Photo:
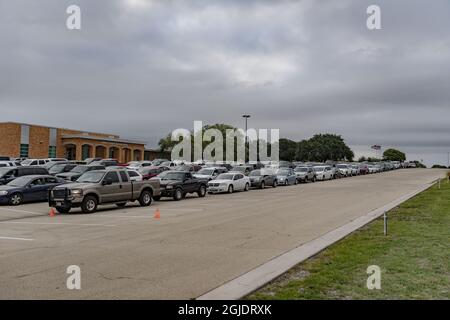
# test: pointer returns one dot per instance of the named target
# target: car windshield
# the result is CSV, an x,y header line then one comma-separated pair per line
x,y
282,172
165,164
225,176
79,169
57,168
19,182
173,176
206,172
91,177
303,169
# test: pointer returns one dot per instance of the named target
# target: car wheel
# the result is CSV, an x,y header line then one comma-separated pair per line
x,y
178,195
157,198
286,183
247,186
263,185
62,209
306,179
202,191
314,179
89,204
121,205
15,199
295,182
230,188
145,199
274,185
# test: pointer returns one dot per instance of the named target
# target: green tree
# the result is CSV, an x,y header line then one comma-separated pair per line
x,y
394,155
288,149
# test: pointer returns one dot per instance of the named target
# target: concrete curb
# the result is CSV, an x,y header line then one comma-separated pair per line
x,y
258,277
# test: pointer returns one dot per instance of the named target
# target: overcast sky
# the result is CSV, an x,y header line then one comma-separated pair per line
x,y
143,68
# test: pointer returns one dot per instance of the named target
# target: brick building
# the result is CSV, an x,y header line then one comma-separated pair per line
x,y
35,141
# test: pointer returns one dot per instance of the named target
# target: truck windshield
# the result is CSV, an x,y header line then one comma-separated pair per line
x,y
91,177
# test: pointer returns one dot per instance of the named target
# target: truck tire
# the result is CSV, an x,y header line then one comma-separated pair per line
x,y
89,204
202,191
178,194
62,209
145,199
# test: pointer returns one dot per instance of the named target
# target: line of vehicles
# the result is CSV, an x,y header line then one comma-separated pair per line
x,y
93,182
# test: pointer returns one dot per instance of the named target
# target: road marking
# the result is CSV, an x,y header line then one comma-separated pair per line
x,y
12,238
59,223
24,211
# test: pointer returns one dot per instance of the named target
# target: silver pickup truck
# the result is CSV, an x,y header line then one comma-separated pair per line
x,y
98,187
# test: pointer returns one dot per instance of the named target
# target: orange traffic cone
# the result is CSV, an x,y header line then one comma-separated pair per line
x,y
52,212
157,214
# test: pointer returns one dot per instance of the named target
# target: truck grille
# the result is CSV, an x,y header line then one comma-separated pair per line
x,y
60,193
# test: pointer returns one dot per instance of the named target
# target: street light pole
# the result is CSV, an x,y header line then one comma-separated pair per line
x,y
246,116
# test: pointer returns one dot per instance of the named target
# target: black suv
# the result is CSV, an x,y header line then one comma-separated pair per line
x,y
8,174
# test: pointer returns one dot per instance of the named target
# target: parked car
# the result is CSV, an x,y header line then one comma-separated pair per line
x,y
176,184
7,164
99,187
169,164
158,162
323,172
261,178
135,175
209,173
33,162
286,176
355,170
3,158
363,168
136,165
188,167
8,174
305,174
78,171
106,162
344,169
150,172
27,189
90,160
61,168
242,169
229,182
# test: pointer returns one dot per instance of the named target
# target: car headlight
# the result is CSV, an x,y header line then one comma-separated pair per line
x,y
169,187
77,192
3,193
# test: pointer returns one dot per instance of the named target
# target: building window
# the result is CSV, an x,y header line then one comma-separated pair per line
x,y
52,152
24,150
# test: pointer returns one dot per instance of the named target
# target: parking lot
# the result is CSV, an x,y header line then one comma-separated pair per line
x,y
196,245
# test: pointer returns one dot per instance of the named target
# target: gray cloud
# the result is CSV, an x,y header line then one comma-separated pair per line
x,y
142,68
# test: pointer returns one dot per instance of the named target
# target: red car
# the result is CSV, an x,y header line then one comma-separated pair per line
x,y
150,172
363,169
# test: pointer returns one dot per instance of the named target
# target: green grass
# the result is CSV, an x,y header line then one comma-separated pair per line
x,y
414,258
